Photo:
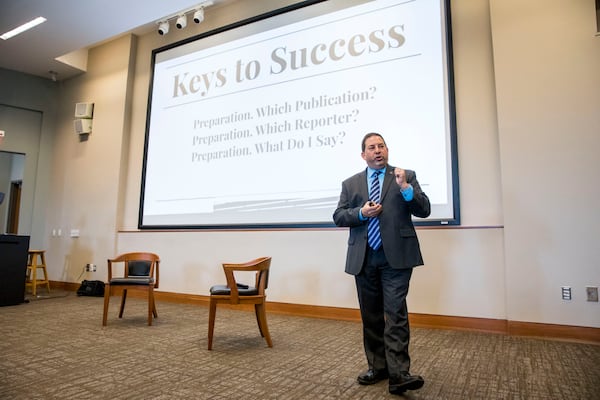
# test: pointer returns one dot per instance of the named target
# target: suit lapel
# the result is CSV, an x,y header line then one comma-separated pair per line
x,y
363,188
387,180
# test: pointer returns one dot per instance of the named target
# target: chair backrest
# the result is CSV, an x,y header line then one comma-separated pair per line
x,y
137,264
260,265
139,268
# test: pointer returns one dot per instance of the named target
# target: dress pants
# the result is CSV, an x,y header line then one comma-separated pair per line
x,y
382,294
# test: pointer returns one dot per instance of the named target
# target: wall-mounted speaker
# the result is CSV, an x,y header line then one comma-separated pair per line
x,y
83,126
84,110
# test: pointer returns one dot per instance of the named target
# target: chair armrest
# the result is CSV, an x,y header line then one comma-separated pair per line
x,y
157,274
231,283
109,270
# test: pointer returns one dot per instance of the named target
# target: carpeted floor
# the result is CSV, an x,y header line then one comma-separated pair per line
x,y
56,348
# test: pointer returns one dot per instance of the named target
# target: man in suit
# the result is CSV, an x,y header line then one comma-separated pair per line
x,y
377,205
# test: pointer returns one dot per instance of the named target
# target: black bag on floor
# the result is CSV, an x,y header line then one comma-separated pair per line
x,y
91,288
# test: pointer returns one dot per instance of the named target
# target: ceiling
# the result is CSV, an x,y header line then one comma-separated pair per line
x,y
75,25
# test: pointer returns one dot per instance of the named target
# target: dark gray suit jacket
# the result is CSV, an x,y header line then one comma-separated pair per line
x,y
398,234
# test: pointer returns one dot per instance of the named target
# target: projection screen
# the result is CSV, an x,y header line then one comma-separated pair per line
x,y
256,124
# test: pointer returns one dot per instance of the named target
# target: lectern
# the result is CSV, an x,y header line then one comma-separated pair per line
x,y
13,268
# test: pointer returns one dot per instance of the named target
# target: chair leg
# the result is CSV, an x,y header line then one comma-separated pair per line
x,y
256,312
45,270
154,307
34,279
261,315
47,280
123,298
211,322
151,308
106,301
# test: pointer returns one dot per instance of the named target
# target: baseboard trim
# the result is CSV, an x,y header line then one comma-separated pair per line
x,y
553,331
488,325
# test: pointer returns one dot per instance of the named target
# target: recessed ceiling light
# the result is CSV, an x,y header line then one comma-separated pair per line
x,y
23,28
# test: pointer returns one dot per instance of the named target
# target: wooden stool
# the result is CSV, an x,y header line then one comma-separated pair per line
x,y
34,257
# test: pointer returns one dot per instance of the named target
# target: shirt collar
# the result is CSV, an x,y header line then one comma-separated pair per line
x,y
371,170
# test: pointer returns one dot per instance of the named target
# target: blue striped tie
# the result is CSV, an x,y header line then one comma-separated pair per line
x,y
374,236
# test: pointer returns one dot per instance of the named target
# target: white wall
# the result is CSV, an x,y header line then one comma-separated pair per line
x,y
86,180
547,70
527,132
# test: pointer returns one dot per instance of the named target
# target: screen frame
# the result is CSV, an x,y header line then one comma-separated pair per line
x,y
453,161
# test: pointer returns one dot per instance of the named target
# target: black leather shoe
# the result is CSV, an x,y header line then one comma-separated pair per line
x,y
372,376
405,381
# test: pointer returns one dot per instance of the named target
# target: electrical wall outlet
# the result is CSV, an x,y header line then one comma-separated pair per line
x,y
566,293
90,267
592,293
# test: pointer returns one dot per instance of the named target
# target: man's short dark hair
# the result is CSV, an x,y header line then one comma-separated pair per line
x,y
368,135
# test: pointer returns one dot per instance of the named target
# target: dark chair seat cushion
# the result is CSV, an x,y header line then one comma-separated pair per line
x,y
243,290
138,280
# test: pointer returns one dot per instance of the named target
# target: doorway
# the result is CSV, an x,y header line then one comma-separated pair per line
x,y
14,205
12,168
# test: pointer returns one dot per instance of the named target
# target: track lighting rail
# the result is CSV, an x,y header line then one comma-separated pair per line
x,y
181,17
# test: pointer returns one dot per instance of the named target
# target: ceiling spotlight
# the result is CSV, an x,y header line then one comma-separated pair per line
x,y
199,15
163,28
181,21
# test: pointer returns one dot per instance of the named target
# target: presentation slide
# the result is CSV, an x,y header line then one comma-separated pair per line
x,y
259,124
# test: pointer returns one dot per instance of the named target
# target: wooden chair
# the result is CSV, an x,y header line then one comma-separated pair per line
x,y
140,273
236,293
